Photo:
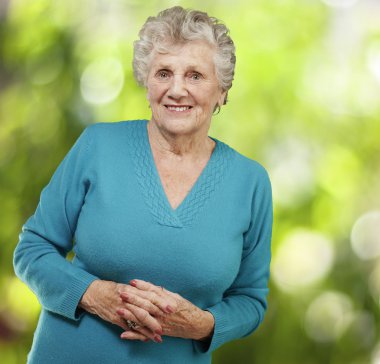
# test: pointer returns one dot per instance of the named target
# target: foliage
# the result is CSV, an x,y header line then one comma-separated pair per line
x,y
304,103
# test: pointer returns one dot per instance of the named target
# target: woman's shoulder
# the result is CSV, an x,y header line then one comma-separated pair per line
x,y
247,166
115,132
110,138
115,127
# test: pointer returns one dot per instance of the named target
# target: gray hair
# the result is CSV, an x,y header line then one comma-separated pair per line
x,y
177,25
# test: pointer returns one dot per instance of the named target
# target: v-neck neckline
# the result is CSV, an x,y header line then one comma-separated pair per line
x,y
152,188
194,187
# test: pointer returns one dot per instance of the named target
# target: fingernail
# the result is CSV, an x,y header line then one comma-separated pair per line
x,y
146,340
169,309
157,339
133,283
159,332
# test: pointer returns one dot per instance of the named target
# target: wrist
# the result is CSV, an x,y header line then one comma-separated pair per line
x,y
87,298
208,323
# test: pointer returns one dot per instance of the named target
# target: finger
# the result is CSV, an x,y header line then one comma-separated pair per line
x,y
122,323
125,315
146,286
144,318
154,334
148,334
165,303
134,335
154,309
160,292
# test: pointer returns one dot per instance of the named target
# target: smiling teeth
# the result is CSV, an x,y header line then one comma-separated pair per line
x,y
174,108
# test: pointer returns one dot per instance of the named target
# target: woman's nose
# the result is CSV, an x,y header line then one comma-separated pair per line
x,y
177,87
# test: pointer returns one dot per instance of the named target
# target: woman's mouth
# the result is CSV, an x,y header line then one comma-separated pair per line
x,y
177,108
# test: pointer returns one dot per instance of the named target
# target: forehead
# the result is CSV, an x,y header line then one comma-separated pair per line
x,y
193,54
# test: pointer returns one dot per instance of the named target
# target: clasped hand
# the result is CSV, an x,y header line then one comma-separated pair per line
x,y
156,311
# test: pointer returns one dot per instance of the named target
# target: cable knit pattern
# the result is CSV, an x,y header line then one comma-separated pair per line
x,y
150,182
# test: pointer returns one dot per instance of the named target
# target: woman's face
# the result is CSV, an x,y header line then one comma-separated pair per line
x,y
183,89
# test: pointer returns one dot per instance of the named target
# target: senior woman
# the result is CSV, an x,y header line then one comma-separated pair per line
x,y
171,228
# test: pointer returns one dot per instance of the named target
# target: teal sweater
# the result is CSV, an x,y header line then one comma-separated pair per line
x,y
106,201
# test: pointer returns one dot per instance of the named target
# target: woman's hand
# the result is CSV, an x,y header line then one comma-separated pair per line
x,y
102,298
186,320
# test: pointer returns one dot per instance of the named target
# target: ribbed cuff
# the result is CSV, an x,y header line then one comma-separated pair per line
x,y
219,336
71,297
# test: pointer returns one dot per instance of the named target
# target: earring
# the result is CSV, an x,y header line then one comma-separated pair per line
x,y
216,108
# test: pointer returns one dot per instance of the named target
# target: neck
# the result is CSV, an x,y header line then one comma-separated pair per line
x,y
180,147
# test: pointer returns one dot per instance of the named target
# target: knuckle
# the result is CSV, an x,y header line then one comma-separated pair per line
x,y
153,298
143,316
126,289
150,307
156,311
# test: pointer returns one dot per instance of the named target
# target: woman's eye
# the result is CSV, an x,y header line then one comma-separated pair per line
x,y
162,74
195,76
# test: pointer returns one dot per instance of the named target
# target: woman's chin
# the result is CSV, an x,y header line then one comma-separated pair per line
x,y
178,125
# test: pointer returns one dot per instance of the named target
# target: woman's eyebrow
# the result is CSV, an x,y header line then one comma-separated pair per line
x,y
187,68
160,68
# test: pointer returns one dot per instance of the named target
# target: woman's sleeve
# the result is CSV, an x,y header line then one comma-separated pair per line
x,y
244,304
47,236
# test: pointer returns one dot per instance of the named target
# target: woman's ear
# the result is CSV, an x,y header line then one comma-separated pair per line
x,y
223,98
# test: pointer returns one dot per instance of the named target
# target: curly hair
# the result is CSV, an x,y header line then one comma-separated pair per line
x,y
177,25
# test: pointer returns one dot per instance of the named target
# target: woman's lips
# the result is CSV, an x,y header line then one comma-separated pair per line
x,y
177,108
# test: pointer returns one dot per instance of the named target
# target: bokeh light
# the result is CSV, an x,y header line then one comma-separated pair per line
x,y
328,316
292,174
303,258
102,81
365,235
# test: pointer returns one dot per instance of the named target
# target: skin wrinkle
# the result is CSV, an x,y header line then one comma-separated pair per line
x,y
186,135
163,31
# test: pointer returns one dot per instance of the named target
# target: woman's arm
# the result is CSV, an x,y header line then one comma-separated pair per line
x,y
244,304
47,236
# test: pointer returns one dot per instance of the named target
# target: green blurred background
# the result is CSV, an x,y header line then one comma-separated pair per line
x,y
305,103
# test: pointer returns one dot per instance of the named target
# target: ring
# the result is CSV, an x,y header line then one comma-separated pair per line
x,y
131,324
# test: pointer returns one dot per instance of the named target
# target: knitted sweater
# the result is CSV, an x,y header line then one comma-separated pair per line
x,y
106,202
